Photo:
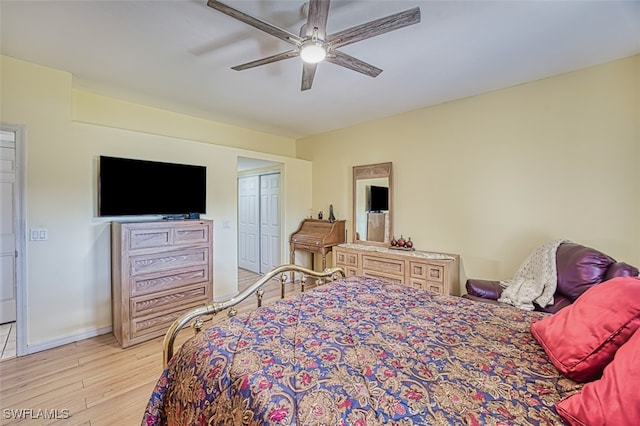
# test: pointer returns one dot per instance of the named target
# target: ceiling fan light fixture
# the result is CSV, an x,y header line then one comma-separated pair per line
x,y
312,51
313,45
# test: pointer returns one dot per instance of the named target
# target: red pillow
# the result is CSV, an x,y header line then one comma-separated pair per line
x,y
612,400
582,338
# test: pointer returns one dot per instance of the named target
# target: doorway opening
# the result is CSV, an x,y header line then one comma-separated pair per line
x,y
12,253
259,215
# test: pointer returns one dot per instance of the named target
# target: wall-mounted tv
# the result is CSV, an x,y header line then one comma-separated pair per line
x,y
138,187
378,198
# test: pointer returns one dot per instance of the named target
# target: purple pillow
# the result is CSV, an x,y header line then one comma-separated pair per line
x,y
580,268
621,269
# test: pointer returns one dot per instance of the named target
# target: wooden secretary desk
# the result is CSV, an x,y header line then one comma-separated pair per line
x,y
317,237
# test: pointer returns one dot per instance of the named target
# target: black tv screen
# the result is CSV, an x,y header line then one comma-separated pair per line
x,y
378,198
139,187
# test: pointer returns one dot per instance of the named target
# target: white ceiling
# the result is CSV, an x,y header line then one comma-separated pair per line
x,y
177,54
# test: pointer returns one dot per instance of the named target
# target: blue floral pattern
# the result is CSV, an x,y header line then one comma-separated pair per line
x,y
363,351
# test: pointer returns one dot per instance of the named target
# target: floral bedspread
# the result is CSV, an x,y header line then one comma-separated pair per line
x,y
363,351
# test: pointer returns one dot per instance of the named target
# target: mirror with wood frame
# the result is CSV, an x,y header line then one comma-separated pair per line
x,y
372,213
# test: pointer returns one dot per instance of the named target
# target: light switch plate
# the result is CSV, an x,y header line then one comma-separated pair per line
x,y
38,234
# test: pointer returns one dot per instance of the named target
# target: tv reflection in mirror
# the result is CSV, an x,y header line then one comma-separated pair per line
x,y
129,187
378,199
377,208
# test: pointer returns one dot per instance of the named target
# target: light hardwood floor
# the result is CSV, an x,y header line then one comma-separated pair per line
x,y
95,380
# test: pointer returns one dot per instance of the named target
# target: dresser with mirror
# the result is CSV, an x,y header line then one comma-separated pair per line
x,y
370,252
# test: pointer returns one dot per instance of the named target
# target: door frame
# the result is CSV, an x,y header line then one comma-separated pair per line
x,y
20,232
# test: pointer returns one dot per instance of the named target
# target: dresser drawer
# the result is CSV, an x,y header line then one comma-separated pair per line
x,y
309,240
157,325
426,271
164,261
399,279
160,281
434,287
140,238
168,300
348,259
350,272
193,234
159,236
417,283
426,285
435,273
308,247
418,270
380,264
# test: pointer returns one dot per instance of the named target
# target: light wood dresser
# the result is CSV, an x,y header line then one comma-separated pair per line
x,y
158,271
437,272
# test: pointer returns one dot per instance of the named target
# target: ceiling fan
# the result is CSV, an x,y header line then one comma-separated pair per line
x,y
313,45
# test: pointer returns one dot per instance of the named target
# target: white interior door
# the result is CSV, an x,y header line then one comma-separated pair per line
x,y
269,222
248,222
7,226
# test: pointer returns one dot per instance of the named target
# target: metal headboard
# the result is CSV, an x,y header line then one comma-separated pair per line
x,y
282,273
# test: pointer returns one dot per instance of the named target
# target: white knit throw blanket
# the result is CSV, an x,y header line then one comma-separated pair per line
x,y
536,279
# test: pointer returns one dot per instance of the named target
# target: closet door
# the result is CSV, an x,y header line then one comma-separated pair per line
x,y
269,222
248,222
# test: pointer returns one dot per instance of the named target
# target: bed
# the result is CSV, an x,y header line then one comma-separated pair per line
x,y
363,351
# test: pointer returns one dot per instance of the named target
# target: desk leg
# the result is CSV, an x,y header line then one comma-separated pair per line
x,y
324,266
292,260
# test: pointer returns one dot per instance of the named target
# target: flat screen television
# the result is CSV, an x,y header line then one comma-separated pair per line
x,y
378,198
139,187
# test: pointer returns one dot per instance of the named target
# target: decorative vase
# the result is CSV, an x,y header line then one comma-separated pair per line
x,y
320,215
409,243
393,241
401,241
332,218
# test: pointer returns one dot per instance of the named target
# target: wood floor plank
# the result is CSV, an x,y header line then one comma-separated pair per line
x,y
124,409
20,395
119,369
24,373
130,410
117,386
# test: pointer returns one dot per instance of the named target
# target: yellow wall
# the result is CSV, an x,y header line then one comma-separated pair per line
x,y
68,290
96,109
492,176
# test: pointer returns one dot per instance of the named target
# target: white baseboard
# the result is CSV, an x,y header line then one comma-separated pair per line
x,y
69,339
